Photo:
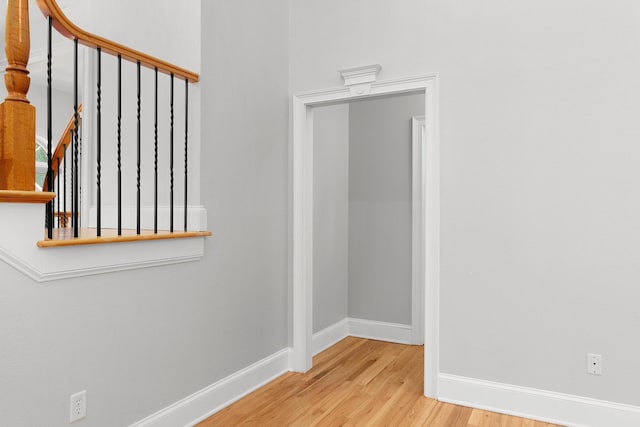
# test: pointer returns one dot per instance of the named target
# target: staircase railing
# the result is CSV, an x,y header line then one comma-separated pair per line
x,y
62,146
58,160
68,29
59,21
17,132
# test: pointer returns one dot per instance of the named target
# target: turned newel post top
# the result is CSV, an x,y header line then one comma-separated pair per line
x,y
17,45
17,116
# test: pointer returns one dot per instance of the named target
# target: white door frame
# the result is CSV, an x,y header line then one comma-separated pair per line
x,y
418,137
302,183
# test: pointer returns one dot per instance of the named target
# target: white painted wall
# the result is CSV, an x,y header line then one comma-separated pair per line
x,y
181,46
330,215
138,341
332,35
539,137
380,207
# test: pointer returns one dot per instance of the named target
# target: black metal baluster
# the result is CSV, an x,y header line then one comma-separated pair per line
x,y
119,145
76,191
79,172
64,207
155,143
72,176
58,192
186,139
138,159
171,162
99,149
49,208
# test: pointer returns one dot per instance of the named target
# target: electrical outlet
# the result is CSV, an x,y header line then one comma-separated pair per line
x,y
594,364
78,406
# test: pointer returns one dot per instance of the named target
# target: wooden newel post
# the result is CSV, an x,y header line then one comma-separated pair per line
x,y
17,115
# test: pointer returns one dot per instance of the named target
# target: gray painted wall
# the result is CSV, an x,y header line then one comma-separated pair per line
x,y
330,214
539,209
539,173
245,132
140,340
380,207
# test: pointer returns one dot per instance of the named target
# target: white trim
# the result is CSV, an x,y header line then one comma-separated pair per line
x,y
431,224
329,336
417,234
302,215
381,331
360,75
383,87
547,406
206,402
359,79
18,249
198,406
105,267
302,172
542,405
361,328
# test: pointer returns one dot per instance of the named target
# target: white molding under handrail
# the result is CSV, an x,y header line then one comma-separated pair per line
x,y
18,249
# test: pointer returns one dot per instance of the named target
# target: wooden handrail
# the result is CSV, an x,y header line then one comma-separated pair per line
x,y
16,196
63,143
68,29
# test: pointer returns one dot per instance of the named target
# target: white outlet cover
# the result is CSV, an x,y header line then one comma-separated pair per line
x,y
78,406
594,364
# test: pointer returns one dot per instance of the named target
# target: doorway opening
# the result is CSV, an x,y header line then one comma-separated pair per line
x,y
425,216
365,282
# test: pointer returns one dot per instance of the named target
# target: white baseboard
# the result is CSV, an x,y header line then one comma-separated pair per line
x,y
327,337
204,403
382,331
547,406
361,328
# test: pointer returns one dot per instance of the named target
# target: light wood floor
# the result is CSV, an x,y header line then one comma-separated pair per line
x,y
356,382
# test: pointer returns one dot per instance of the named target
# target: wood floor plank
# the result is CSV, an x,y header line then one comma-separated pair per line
x,y
477,415
459,416
356,382
440,415
418,414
